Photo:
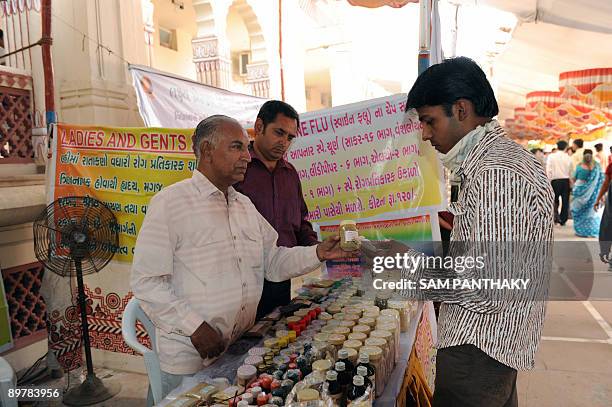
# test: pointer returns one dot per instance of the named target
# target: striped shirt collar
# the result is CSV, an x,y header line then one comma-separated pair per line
x,y
472,160
208,189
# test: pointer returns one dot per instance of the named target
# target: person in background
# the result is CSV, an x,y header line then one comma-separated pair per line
x,y
587,181
605,227
610,156
538,153
274,187
558,170
577,148
600,156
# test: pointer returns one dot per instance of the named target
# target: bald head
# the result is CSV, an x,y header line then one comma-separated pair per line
x,y
210,130
222,148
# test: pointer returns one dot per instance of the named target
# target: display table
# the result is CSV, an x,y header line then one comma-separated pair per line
x,y
227,365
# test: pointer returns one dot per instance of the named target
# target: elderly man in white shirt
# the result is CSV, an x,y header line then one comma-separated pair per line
x,y
559,170
202,254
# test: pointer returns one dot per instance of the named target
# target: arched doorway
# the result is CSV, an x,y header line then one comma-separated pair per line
x,y
230,50
247,50
210,50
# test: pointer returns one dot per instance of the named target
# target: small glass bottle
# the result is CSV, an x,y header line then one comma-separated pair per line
x,y
358,388
363,371
343,356
364,362
344,376
333,387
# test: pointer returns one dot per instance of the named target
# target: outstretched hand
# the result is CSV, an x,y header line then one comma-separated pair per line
x,y
329,249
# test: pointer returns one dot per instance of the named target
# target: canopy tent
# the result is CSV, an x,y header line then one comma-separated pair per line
x,y
552,36
583,103
538,53
588,15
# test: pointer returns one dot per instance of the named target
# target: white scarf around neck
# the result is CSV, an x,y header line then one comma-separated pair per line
x,y
454,158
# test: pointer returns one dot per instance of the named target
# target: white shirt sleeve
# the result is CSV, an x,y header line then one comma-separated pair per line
x,y
283,263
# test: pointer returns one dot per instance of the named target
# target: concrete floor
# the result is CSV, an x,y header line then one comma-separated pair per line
x,y
573,364
574,361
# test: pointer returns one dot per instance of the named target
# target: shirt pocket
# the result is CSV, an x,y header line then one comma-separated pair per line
x,y
252,243
204,251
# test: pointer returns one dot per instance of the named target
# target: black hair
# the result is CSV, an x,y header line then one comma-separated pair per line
x,y
587,151
270,109
579,142
561,144
445,83
598,147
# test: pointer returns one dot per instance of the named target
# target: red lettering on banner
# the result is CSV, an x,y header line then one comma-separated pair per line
x,y
163,142
82,138
121,140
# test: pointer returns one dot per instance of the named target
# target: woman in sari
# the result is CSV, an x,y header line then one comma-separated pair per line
x,y
588,179
605,228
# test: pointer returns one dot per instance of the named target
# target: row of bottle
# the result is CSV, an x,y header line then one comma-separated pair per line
x,y
348,383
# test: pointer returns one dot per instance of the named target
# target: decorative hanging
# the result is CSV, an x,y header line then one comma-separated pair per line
x,y
582,104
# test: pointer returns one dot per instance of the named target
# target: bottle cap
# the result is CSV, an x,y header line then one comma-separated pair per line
x,y
308,395
364,358
331,375
342,354
321,365
362,371
358,380
340,367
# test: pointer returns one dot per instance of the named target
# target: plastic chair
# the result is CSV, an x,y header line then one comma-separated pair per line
x,y
131,315
8,380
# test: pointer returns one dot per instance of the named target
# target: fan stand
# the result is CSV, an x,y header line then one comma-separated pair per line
x,y
93,390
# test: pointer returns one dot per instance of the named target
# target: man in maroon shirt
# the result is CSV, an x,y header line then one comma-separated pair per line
x,y
274,187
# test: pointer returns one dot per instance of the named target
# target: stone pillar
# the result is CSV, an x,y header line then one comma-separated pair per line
x,y
212,67
259,79
149,28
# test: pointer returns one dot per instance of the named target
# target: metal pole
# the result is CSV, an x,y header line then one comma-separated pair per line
x,y
280,48
424,34
47,60
84,326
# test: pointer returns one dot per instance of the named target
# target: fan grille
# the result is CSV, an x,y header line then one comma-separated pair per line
x,y
76,228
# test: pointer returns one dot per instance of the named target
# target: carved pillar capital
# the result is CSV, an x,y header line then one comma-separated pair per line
x,y
259,78
212,67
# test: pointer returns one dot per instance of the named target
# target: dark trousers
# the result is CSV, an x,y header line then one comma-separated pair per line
x,y
562,190
468,377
